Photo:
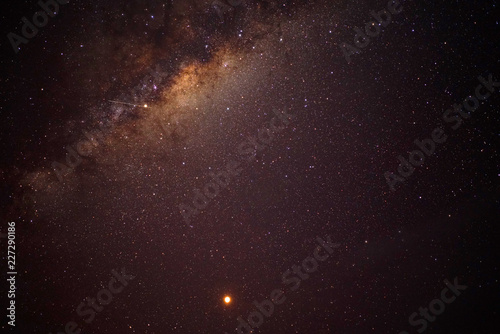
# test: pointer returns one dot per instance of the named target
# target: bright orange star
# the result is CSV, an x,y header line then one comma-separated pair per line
x,y
227,299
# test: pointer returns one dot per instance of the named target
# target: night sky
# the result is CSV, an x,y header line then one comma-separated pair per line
x,y
179,152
